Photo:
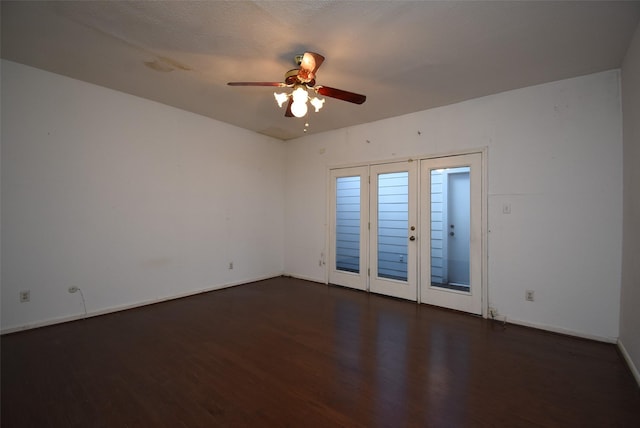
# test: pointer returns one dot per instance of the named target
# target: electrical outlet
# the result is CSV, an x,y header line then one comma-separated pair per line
x,y
25,296
529,296
230,265
73,289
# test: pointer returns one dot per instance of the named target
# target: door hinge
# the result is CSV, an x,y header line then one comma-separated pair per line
x,y
369,225
368,272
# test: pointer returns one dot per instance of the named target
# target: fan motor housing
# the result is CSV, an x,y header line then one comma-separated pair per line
x,y
291,78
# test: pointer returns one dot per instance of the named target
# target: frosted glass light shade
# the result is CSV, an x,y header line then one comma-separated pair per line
x,y
299,108
281,98
317,103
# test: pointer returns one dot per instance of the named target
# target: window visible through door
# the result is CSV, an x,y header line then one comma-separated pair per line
x,y
393,225
348,224
450,227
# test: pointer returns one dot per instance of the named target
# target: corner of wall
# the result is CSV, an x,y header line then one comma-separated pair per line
x,y
629,341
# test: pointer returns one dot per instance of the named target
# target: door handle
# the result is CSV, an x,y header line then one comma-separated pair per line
x,y
412,238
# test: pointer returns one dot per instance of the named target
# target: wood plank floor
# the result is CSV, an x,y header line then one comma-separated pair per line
x,y
289,353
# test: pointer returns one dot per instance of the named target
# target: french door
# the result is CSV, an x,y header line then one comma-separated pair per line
x,y
393,231
349,205
451,236
374,228
384,241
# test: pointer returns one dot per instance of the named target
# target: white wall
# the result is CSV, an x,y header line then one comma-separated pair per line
x,y
630,301
554,154
134,201
130,200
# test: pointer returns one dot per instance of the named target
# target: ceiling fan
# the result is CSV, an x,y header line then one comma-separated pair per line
x,y
301,79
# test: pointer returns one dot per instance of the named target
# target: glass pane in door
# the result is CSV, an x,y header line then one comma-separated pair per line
x,y
450,228
348,224
393,225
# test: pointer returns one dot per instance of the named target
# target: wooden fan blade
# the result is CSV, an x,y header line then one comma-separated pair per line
x,y
288,112
311,61
277,84
340,94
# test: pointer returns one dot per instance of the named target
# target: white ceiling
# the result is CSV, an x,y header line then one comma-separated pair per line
x,y
406,56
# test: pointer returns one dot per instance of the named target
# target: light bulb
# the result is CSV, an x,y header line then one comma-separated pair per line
x,y
299,108
300,94
281,98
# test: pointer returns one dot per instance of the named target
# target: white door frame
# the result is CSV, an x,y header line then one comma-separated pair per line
x,y
483,152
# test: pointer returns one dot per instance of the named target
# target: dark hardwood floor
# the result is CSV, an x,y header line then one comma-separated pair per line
x,y
289,353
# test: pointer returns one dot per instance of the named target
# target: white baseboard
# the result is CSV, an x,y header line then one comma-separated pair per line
x,y
567,332
627,358
306,278
104,311
612,340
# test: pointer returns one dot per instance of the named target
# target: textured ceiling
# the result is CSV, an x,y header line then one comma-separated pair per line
x,y
405,56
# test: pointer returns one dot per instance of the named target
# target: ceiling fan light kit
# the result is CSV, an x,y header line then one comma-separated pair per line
x,y
299,98
301,80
